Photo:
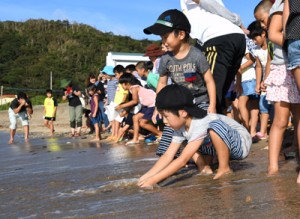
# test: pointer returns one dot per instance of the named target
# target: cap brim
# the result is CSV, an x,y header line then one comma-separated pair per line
x,y
196,112
157,29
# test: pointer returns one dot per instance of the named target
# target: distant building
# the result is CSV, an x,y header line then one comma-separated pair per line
x,y
122,58
7,98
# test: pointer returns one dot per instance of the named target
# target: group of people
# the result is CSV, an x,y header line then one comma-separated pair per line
x,y
204,101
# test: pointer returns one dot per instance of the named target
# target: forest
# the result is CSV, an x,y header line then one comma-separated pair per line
x,y
30,50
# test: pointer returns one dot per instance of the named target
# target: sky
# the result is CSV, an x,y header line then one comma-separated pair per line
x,y
122,17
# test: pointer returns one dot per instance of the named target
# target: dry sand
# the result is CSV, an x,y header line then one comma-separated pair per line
x,y
37,128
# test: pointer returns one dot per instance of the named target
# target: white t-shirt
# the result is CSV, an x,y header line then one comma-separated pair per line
x,y
249,73
205,25
262,55
198,131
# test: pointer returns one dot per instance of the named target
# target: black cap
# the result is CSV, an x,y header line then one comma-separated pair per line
x,y
176,97
168,21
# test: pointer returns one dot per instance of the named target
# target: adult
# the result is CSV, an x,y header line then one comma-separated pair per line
x,y
72,94
20,108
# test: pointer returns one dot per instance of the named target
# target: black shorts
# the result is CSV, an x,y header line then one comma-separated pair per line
x,y
224,54
50,118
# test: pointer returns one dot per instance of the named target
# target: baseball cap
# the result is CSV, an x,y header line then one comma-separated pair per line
x,y
168,21
176,97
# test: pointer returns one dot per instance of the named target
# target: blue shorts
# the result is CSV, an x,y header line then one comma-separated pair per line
x,y
148,112
293,54
264,106
249,89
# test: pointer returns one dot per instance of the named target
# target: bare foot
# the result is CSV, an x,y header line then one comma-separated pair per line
x,y
26,140
132,142
272,171
206,171
11,141
223,173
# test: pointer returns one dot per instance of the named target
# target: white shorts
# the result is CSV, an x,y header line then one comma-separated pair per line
x,y
22,116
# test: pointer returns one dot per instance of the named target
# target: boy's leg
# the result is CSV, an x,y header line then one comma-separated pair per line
x,y
26,133
254,111
201,164
78,118
12,126
223,154
227,143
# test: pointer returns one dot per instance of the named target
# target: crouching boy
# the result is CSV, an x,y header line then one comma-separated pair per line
x,y
230,140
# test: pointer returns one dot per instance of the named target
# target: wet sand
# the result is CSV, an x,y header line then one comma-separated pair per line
x,y
65,177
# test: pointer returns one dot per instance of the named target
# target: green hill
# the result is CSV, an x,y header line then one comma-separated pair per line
x,y
30,50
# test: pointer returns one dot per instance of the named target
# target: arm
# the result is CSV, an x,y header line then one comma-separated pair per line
x,y
258,70
96,105
285,15
275,29
267,72
173,166
162,82
133,102
77,93
211,89
162,162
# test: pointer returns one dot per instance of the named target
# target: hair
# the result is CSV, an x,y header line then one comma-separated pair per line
x,y
49,91
148,66
255,29
91,87
21,95
187,35
119,69
130,68
129,78
173,111
265,5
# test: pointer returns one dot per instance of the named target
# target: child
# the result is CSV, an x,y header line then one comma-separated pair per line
x,y
144,69
291,18
50,107
230,139
184,64
19,108
126,124
95,115
146,98
259,35
281,88
120,97
248,99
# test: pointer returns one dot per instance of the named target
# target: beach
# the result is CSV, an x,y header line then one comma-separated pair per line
x,y
64,177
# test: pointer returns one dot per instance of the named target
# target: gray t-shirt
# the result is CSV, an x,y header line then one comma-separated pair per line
x,y
280,56
198,131
187,72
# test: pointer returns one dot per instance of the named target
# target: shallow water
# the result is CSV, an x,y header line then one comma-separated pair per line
x,y
72,178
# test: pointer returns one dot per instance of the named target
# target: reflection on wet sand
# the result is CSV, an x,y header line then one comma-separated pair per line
x,y
65,177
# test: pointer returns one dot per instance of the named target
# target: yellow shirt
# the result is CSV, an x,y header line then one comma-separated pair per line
x,y
119,96
50,104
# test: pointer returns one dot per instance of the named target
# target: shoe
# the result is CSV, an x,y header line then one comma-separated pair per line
x,y
261,136
150,139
